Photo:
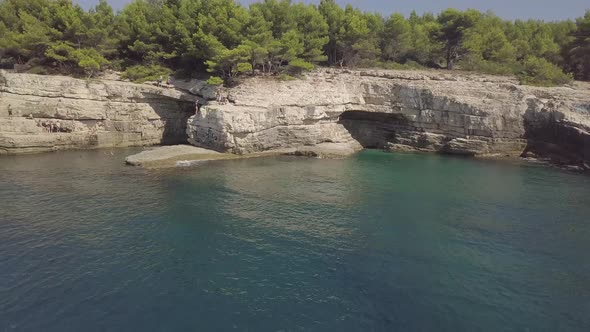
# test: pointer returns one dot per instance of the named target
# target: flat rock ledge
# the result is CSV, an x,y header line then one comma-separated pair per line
x,y
188,155
439,112
168,156
326,150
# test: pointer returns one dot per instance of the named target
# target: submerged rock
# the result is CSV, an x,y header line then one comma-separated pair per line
x,y
166,156
573,168
187,155
326,150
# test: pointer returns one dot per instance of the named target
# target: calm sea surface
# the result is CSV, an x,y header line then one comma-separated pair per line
x,y
377,242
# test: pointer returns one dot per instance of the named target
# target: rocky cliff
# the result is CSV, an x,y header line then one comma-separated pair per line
x,y
428,111
327,112
47,113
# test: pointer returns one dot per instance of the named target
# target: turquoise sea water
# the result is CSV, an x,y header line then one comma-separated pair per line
x,y
377,242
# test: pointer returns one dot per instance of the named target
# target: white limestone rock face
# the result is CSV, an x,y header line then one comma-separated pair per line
x,y
87,114
248,129
441,112
328,110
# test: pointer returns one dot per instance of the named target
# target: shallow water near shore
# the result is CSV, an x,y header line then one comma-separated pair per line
x,y
375,242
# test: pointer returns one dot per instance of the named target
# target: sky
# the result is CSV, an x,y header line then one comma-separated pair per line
x,y
509,9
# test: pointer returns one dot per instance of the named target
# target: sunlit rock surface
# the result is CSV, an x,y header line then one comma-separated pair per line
x,y
473,115
47,113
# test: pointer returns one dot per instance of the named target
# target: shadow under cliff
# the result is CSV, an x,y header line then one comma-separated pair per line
x,y
173,116
549,136
375,130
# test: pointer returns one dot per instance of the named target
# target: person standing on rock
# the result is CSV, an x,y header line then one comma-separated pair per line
x,y
221,96
198,106
218,95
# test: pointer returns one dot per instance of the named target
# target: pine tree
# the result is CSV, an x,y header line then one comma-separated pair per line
x,y
578,52
396,39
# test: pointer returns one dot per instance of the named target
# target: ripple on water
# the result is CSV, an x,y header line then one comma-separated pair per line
x,y
376,242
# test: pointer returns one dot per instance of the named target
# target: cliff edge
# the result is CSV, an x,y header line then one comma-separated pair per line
x,y
327,112
463,114
48,113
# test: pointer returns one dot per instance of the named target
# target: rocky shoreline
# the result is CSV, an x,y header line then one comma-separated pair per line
x,y
472,115
49,113
188,155
327,113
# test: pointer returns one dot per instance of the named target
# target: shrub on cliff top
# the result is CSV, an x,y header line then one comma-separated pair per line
x,y
286,77
409,65
70,59
215,80
540,72
490,67
142,74
38,70
297,66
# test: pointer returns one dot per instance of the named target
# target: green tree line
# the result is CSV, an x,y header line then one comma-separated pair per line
x,y
148,38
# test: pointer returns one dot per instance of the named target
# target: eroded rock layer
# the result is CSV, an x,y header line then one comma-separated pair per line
x,y
459,114
47,113
329,110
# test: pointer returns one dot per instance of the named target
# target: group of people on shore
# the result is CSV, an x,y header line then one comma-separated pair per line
x,y
221,96
49,126
160,81
52,127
